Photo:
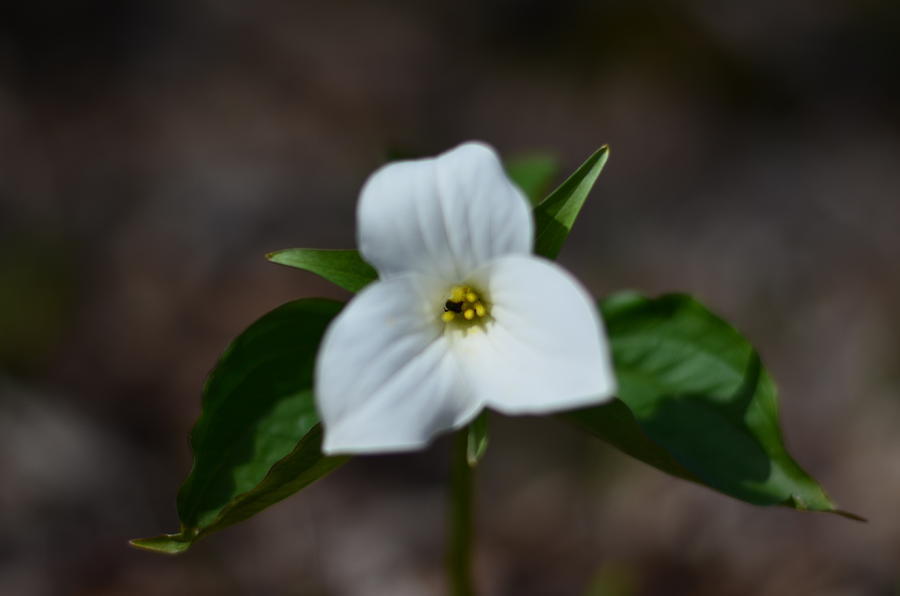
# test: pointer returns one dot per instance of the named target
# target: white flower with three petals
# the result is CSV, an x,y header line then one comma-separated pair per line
x,y
462,317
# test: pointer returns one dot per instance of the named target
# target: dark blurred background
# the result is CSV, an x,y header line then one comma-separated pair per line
x,y
152,151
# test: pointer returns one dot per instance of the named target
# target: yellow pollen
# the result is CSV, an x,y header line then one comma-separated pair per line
x,y
463,307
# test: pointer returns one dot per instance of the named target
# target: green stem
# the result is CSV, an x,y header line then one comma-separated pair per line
x,y
459,545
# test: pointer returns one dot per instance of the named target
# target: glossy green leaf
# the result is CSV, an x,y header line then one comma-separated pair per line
x,y
533,174
614,423
555,215
345,268
699,403
302,466
477,439
258,437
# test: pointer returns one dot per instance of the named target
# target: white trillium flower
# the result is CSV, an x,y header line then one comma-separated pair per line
x,y
463,315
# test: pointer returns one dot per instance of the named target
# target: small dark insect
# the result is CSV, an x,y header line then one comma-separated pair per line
x,y
453,306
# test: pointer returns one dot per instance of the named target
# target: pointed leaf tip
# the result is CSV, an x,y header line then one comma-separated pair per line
x,y
555,215
258,439
850,516
345,268
167,544
700,404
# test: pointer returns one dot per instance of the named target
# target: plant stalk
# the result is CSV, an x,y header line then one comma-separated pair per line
x,y
459,533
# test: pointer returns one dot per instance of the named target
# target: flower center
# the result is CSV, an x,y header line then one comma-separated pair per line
x,y
465,307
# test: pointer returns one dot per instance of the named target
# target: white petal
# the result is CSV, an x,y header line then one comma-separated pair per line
x,y
386,379
545,349
444,216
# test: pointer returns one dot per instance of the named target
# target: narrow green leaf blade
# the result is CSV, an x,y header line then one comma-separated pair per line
x,y
258,437
555,215
533,174
345,268
703,407
167,544
477,439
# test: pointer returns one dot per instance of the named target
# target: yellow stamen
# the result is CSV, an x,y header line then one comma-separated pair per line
x,y
463,306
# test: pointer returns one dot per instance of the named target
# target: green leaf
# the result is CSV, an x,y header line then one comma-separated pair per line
x,y
533,174
699,403
477,439
167,544
342,267
614,423
258,437
301,467
555,215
